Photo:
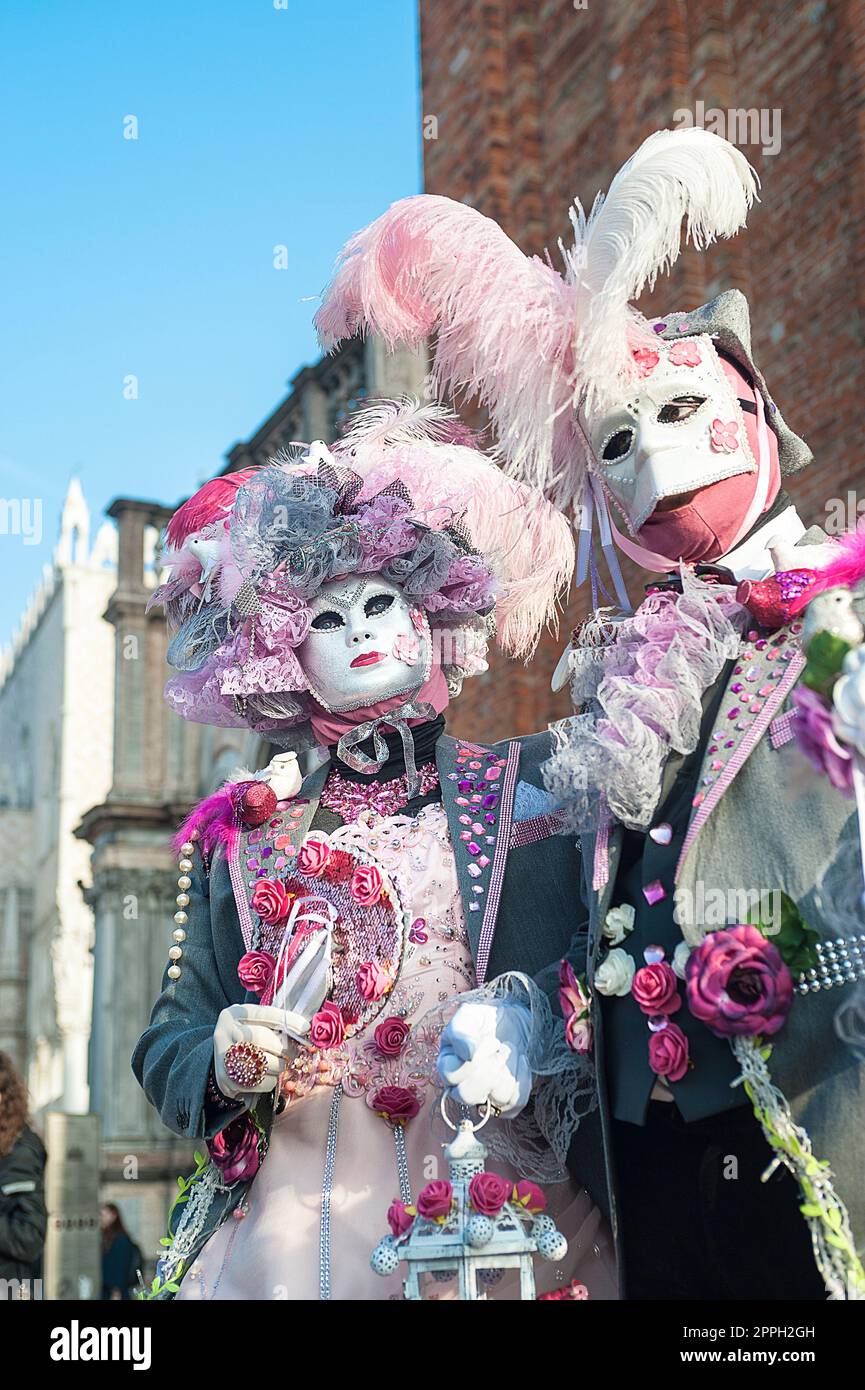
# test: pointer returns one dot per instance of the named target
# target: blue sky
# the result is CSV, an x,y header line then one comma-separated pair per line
x,y
257,126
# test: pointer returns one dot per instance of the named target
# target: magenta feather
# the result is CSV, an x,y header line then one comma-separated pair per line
x,y
212,822
206,505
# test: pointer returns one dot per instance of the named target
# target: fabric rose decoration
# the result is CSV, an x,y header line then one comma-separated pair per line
x,y
396,1104
270,901
737,983
400,1218
488,1193
234,1150
575,1006
372,981
816,737
255,970
680,959
618,922
685,355
390,1036
724,436
327,1027
366,885
314,856
615,974
436,1200
669,1053
647,360
527,1194
655,989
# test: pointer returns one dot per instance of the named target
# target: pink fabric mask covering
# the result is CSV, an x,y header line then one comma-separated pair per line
x,y
716,518
329,727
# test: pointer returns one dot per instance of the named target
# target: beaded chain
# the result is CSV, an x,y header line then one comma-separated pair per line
x,y
349,799
178,936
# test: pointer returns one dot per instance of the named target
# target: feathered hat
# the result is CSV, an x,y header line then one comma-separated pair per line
x,y
405,494
539,348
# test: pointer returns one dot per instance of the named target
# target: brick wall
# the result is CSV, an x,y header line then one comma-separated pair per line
x,y
538,100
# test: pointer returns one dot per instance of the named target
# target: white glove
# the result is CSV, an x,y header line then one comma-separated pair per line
x,y
263,1027
483,1056
848,697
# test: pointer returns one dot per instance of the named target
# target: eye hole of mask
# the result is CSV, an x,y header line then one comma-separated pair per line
x,y
618,445
682,408
328,621
378,604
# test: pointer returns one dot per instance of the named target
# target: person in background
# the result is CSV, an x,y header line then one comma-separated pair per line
x,y
22,1200
121,1257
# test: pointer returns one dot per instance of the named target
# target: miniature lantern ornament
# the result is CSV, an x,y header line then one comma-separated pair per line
x,y
471,1227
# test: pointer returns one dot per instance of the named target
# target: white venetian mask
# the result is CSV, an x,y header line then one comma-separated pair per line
x,y
366,643
681,429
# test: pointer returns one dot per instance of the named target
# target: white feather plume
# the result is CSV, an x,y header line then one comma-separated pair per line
x,y
635,233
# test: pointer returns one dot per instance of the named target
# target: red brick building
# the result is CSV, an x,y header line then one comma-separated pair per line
x,y
536,101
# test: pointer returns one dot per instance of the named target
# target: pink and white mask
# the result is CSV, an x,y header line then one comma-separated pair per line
x,y
366,644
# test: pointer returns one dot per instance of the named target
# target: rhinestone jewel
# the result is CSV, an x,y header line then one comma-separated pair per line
x,y
661,834
653,955
654,892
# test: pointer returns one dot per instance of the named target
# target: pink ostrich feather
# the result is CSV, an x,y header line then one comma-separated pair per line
x,y
529,544
504,323
212,822
847,569
211,501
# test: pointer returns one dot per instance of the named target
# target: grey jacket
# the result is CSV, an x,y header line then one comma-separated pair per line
x,y
761,823
526,920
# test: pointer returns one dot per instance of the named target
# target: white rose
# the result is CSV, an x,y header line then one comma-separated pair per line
x,y
848,698
680,958
618,922
615,974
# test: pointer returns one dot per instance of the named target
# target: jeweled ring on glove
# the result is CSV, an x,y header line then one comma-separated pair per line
x,y
246,1064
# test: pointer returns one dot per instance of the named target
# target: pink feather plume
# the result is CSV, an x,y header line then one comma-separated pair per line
x,y
212,822
205,506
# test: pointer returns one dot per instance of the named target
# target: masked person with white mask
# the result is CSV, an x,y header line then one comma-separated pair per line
x,y
722,949
359,923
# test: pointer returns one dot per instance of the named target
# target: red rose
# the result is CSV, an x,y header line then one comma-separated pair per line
x,y
366,885
436,1199
396,1103
327,1027
234,1150
488,1193
668,1053
313,857
655,989
399,1218
390,1035
527,1194
255,970
372,980
270,900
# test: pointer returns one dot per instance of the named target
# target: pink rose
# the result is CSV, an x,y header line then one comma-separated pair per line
x,y
527,1194
366,885
655,989
738,983
390,1035
234,1150
327,1027
255,970
488,1193
372,980
395,1103
436,1200
399,1218
270,900
313,858
669,1053
576,1008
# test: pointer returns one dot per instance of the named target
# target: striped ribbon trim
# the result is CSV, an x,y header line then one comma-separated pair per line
x,y
500,858
536,828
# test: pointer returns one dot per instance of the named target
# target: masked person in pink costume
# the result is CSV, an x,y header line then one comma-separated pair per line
x,y
713,865
374,889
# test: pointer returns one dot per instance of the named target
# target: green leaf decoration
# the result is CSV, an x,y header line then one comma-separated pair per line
x,y
794,939
165,1240
826,655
